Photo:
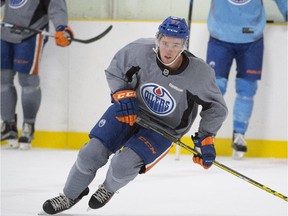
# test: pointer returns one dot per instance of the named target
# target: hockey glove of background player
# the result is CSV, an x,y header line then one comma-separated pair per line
x,y
205,146
63,36
126,106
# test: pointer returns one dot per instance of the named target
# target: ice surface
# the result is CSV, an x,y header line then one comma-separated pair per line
x,y
171,188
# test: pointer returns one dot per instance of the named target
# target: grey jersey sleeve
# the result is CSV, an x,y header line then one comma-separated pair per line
x,y
116,73
57,13
214,110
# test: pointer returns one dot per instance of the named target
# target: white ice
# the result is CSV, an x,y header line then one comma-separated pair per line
x,y
171,188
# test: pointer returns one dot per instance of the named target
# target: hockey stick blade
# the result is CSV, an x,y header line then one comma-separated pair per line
x,y
94,38
175,140
87,41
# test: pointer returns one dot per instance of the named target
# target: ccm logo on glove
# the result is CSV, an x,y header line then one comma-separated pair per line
x,y
124,94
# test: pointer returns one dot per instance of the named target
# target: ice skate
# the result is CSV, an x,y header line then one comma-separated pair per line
x,y
100,198
9,133
27,136
61,203
239,146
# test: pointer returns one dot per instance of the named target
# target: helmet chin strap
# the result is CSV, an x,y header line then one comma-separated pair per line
x,y
156,51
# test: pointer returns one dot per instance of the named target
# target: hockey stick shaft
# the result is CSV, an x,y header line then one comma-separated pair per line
x,y
87,41
190,18
175,140
190,13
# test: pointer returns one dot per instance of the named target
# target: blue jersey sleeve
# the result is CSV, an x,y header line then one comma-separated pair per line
x,y
283,8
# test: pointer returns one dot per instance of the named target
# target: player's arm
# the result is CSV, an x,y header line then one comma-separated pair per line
x,y
214,112
57,12
122,71
121,79
283,8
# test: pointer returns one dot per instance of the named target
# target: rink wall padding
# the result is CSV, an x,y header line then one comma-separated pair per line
x,y
75,140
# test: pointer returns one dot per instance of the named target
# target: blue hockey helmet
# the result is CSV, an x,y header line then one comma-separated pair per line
x,y
174,27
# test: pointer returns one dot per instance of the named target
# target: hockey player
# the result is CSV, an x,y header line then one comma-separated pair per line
x,y
236,32
20,54
163,85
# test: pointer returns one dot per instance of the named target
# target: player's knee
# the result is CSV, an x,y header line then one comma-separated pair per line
x,y
30,84
26,80
245,87
7,77
92,156
222,84
126,165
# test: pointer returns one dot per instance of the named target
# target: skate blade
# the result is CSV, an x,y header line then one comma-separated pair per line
x,y
25,146
177,152
12,143
237,155
42,213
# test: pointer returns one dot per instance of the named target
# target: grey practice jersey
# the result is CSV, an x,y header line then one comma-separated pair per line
x,y
170,98
34,14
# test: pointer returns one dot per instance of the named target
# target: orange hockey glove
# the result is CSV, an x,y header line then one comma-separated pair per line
x,y
126,106
63,36
205,146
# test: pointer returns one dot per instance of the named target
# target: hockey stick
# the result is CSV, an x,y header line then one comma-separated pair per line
x,y
21,28
178,148
189,18
175,140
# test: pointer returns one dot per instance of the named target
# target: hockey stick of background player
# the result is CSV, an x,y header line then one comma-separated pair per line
x,y
177,153
189,19
21,28
221,166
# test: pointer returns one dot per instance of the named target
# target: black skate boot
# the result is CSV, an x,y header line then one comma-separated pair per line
x,y
26,136
100,198
61,203
9,133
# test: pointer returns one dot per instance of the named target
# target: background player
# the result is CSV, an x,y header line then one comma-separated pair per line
x,y
21,53
236,32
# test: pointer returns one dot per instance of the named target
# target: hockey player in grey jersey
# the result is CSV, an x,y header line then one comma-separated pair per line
x,y
21,53
163,84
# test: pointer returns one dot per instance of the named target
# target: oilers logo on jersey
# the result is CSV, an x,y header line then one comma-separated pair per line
x,y
157,99
17,3
239,2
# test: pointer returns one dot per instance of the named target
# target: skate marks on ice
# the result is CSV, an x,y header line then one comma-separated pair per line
x,y
95,214
172,188
42,213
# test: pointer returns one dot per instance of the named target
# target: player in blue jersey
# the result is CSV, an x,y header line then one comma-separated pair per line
x,y
21,51
163,84
236,32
